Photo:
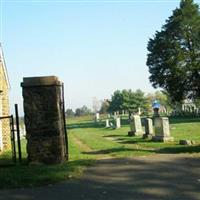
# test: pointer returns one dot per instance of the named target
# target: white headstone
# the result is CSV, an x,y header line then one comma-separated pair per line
x,y
107,123
117,123
97,117
136,126
139,111
148,128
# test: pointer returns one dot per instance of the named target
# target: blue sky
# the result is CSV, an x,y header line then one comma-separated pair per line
x,y
95,47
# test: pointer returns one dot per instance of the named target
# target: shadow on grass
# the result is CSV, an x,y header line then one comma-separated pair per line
x,y
163,150
36,175
179,149
115,150
134,141
177,120
117,179
114,136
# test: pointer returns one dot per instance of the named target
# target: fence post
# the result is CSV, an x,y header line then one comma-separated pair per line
x,y
64,121
18,133
13,138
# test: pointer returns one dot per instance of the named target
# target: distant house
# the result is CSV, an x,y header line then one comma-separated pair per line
x,y
4,104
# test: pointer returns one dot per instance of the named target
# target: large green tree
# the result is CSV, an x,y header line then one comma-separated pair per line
x,y
132,101
128,100
174,54
116,101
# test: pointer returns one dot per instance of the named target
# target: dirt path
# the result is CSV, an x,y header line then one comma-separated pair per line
x,y
157,177
81,145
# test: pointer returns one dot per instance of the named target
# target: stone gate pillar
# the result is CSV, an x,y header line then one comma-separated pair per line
x,y
46,142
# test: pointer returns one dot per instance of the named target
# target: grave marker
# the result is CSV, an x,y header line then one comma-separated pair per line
x,y
135,125
162,132
148,128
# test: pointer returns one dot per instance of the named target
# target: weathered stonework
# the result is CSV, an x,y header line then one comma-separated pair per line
x,y
117,123
162,132
107,123
4,105
44,120
148,128
136,126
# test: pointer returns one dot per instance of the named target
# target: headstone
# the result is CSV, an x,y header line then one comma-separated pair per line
x,y
148,128
162,132
44,120
136,126
117,123
107,123
97,117
139,111
112,125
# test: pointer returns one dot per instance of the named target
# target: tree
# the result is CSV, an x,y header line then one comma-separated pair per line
x,y
84,110
116,101
70,112
174,54
132,101
104,106
128,100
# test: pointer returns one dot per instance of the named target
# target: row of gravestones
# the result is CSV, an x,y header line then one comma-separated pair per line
x,y
160,131
161,127
116,125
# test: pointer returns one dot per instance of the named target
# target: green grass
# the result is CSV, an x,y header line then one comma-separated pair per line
x,y
116,143
89,141
24,175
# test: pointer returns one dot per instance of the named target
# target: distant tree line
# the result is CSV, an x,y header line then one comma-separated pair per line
x,y
84,110
134,101
125,100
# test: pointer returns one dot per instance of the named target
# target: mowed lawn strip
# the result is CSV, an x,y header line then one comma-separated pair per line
x,y
118,144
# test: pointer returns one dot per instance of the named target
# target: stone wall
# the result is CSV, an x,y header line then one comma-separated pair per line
x,y
4,87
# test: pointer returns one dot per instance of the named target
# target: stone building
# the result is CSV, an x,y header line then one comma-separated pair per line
x,y
4,104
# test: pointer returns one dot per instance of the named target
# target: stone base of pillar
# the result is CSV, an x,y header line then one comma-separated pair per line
x,y
46,150
162,139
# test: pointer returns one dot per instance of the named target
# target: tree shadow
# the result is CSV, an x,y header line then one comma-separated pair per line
x,y
178,120
116,179
115,150
179,149
113,135
26,175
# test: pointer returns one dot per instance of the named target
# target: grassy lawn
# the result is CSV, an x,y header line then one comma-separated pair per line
x,y
88,142
116,143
